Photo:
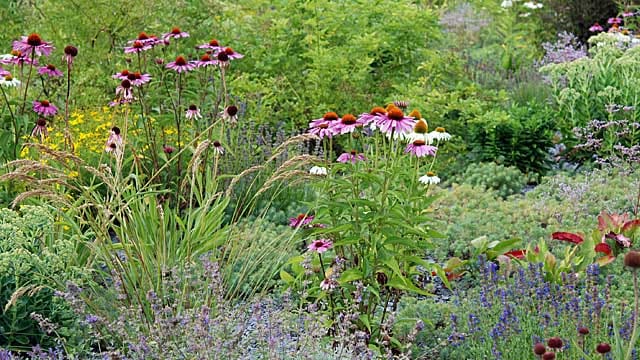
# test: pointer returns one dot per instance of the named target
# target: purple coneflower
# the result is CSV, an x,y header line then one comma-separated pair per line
x,y
320,245
206,60
347,124
232,54
217,148
420,129
114,141
223,59
145,39
420,148
323,127
395,121
351,157
181,64
175,33
44,108
614,20
124,90
40,130
33,43
168,149
193,112
300,220
17,58
123,75
137,47
138,79
596,28
70,52
231,114
628,14
212,45
49,70
372,117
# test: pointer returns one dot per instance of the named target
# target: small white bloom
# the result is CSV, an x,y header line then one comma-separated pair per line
x,y
532,5
413,136
440,134
429,178
318,170
9,81
507,4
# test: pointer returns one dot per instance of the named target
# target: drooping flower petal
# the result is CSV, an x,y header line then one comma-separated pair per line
x,y
567,236
603,248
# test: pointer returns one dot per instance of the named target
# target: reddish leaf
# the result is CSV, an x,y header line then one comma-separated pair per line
x,y
604,248
567,236
605,260
518,254
631,225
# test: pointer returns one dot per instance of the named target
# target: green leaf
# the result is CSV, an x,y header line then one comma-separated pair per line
x,y
350,275
286,277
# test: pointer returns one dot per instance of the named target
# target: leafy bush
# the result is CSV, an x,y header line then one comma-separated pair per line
x,y
35,260
505,180
562,202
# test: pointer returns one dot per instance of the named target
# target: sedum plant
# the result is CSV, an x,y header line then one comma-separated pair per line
x,y
505,180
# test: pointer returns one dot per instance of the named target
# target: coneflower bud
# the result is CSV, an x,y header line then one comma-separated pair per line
x,y
632,259
603,348
583,331
555,342
71,50
548,356
539,349
401,104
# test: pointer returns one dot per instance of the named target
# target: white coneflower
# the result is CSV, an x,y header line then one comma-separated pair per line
x,y
429,178
318,170
9,81
440,134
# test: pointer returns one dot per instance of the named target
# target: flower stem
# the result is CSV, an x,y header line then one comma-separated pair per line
x,y
16,135
26,86
635,316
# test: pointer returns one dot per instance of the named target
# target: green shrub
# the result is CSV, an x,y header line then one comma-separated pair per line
x,y
505,180
563,202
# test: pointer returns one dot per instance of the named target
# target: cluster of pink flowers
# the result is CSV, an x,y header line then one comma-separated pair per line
x,y
391,121
615,22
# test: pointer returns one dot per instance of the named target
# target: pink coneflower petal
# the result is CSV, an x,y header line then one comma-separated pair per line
x,y
44,108
373,116
175,33
351,157
232,54
181,65
206,60
193,112
596,28
50,70
33,43
420,148
137,47
320,245
347,124
138,79
395,121
323,127
114,142
212,45
40,129
217,148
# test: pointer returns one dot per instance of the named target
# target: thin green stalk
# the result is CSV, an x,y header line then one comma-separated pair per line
x,y
635,316
16,135
26,86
